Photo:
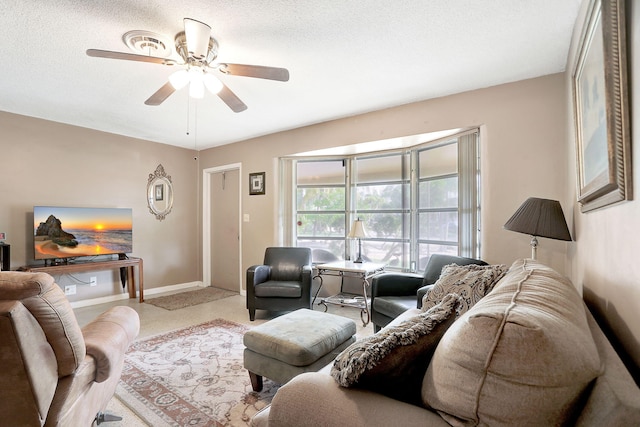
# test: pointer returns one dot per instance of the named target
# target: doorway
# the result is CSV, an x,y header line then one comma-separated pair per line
x,y
221,228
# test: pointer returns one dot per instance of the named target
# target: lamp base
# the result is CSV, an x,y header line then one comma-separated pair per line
x,y
534,248
359,259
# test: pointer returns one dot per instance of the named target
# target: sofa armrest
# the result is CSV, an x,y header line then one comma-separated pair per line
x,y
258,274
614,398
307,274
422,292
108,337
395,284
315,398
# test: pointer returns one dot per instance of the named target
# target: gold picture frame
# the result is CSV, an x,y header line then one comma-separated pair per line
x,y
601,108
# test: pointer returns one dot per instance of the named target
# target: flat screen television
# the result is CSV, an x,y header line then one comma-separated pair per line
x,y
70,232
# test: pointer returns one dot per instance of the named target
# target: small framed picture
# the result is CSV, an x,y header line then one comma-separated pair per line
x,y
256,183
159,190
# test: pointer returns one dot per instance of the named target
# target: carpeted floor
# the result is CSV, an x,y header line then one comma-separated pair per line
x,y
190,298
193,376
155,321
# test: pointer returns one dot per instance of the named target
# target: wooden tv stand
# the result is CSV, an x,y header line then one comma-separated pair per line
x,y
79,267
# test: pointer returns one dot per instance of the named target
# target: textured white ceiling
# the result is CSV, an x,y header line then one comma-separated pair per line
x,y
344,57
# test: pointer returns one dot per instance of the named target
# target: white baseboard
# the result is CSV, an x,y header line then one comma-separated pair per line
x,y
118,297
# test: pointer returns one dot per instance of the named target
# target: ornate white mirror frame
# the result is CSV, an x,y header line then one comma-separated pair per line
x,y
159,193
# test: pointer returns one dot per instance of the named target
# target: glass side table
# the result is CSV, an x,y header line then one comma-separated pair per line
x,y
364,271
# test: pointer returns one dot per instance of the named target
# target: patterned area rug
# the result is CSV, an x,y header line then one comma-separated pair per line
x,y
189,298
192,377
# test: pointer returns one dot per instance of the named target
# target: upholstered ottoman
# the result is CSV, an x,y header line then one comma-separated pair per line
x,y
301,341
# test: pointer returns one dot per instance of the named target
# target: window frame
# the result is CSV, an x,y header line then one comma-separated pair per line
x,y
328,212
468,208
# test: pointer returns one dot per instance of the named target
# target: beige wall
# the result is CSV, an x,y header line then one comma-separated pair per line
x,y
605,259
47,163
523,137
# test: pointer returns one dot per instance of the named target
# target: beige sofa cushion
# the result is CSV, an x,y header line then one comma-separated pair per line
x,y
523,355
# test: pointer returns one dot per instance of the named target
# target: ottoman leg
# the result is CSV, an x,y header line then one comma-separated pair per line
x,y
256,381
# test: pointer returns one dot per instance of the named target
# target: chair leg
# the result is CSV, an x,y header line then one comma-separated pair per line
x,y
256,381
252,314
101,417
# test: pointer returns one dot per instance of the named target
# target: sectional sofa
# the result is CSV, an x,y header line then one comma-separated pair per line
x,y
528,353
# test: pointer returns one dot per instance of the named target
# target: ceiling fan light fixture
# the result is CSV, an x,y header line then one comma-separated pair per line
x,y
179,79
198,51
196,89
196,86
212,83
197,34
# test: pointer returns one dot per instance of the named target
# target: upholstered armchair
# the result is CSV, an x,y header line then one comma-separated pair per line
x,y
55,373
282,282
394,293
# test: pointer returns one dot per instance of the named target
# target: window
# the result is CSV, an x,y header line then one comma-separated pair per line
x,y
414,203
321,208
437,202
381,200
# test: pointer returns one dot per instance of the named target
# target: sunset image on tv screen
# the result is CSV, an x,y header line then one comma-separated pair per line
x,y
67,232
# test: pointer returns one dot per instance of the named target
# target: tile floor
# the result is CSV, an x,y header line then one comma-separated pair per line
x,y
155,320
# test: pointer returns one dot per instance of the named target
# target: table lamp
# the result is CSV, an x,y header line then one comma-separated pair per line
x,y
357,232
539,218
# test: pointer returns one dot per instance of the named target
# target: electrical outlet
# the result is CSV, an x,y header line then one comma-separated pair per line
x,y
70,290
93,281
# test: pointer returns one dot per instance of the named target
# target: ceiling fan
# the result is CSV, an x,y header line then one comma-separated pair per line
x,y
198,50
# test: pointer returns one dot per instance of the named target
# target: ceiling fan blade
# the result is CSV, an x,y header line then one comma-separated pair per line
x,y
258,71
129,57
197,34
231,99
161,94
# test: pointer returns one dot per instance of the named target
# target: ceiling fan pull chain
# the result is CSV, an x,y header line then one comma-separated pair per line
x,y
188,121
195,126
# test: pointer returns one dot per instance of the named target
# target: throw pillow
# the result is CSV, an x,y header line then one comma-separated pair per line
x,y
471,282
393,361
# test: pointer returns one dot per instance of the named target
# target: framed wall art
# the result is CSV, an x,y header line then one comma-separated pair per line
x,y
256,183
159,192
601,108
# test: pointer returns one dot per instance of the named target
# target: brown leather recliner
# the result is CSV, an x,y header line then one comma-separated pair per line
x,y
55,373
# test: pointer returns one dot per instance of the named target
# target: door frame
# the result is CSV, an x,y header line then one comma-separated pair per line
x,y
206,220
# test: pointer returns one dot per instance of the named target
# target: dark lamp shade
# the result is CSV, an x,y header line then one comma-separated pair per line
x,y
540,217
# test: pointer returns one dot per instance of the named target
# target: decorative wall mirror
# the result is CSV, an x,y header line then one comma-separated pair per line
x,y
159,193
